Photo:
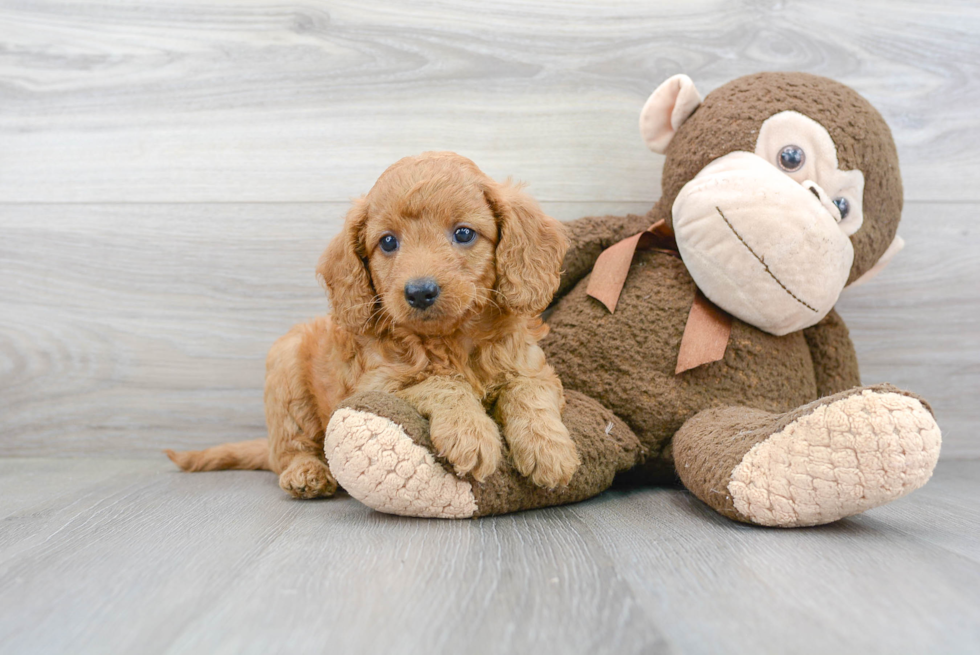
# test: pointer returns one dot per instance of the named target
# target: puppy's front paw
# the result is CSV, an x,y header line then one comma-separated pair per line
x,y
470,441
307,477
547,456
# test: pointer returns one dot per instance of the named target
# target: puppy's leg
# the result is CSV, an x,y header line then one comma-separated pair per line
x,y
529,408
295,428
459,426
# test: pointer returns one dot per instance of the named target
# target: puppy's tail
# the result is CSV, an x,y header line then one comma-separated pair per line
x,y
243,455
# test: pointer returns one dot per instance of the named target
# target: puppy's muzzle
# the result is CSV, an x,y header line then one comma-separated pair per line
x,y
421,293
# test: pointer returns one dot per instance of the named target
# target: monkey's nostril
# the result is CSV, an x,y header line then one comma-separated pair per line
x,y
830,205
421,293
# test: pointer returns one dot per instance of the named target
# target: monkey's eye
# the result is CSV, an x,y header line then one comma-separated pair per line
x,y
464,235
791,158
388,243
843,207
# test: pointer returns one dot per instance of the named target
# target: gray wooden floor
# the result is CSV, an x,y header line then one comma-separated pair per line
x,y
129,556
170,172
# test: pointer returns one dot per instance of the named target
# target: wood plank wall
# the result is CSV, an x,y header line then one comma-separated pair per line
x,y
170,171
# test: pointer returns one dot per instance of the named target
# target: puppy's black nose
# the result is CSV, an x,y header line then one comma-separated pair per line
x,y
421,293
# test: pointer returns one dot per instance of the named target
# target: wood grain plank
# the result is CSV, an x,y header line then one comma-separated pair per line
x,y
32,489
132,556
863,585
128,328
125,329
518,584
946,515
226,563
173,101
141,555
918,324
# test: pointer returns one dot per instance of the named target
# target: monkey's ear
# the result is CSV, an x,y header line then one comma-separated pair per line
x,y
666,110
882,262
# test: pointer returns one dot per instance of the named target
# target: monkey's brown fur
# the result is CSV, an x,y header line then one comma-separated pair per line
x,y
626,360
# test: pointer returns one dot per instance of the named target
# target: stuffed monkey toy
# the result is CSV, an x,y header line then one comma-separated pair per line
x,y
699,341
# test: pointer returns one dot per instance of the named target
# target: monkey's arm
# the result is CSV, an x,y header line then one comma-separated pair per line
x,y
588,238
834,360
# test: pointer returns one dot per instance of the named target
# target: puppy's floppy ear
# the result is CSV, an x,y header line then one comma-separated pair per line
x,y
530,249
344,272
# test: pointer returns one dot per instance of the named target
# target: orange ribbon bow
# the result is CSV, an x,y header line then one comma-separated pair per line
x,y
708,327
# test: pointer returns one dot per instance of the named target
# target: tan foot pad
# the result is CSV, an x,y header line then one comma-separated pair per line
x,y
845,457
380,465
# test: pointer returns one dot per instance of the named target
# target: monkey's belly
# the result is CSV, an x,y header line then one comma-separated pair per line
x,y
626,360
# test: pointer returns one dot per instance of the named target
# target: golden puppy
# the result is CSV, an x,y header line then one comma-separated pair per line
x,y
436,282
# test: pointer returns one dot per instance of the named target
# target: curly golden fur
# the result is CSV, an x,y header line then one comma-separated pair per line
x,y
472,350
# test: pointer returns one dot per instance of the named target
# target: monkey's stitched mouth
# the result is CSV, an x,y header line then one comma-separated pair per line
x,y
765,266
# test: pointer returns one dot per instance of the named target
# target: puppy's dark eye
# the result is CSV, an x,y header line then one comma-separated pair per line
x,y
388,243
791,158
464,235
843,206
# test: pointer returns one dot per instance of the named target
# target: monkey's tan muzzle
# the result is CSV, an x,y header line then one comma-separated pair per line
x,y
763,247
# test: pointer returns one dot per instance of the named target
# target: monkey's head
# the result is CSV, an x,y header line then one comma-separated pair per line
x,y
781,189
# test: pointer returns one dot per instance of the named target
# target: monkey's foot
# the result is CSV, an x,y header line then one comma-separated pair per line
x,y
379,464
379,450
855,453
832,458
